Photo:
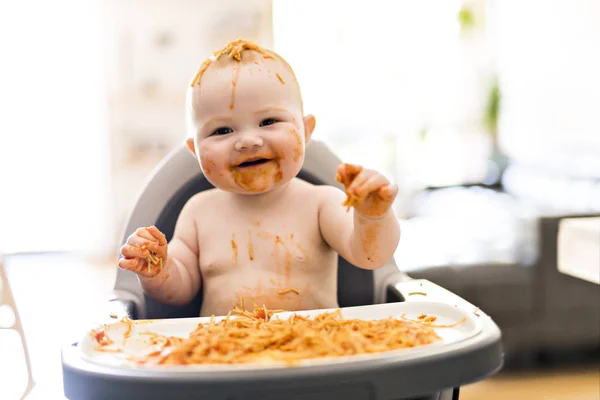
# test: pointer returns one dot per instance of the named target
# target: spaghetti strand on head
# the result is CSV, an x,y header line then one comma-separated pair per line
x,y
232,50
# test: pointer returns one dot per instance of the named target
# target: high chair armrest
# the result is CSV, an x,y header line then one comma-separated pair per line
x,y
393,294
119,308
388,284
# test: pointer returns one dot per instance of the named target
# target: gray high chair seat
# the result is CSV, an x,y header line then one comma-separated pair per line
x,y
172,183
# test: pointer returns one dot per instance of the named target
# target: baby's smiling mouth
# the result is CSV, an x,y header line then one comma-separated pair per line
x,y
253,162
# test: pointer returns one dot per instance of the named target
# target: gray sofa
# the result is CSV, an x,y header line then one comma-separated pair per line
x,y
498,250
537,307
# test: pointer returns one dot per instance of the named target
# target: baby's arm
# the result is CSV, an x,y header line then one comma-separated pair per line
x,y
179,279
367,235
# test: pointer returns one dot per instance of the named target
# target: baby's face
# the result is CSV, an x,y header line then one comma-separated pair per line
x,y
250,131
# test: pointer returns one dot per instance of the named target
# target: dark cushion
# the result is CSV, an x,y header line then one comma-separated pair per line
x,y
355,285
503,291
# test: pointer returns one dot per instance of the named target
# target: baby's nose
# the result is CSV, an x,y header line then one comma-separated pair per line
x,y
248,141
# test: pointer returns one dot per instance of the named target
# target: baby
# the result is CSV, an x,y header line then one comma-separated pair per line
x,y
262,236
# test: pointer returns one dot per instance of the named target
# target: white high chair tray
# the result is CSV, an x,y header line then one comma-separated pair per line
x,y
468,352
136,344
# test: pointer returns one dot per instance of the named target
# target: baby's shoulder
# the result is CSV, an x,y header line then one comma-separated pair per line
x,y
201,199
320,193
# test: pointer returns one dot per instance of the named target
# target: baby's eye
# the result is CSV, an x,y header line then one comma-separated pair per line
x,y
268,121
222,131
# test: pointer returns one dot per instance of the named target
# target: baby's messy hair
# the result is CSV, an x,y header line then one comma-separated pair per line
x,y
235,51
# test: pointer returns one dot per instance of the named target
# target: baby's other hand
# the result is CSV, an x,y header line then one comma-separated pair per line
x,y
368,191
145,252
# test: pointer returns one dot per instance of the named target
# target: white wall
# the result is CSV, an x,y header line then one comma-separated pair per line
x,y
155,48
53,149
377,73
548,57
92,96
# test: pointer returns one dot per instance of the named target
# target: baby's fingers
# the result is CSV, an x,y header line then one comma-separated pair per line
x,y
346,173
130,264
133,252
136,265
358,182
341,174
371,184
141,242
388,192
157,235
144,233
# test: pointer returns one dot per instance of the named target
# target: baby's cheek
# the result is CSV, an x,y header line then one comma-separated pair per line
x,y
216,173
295,143
209,167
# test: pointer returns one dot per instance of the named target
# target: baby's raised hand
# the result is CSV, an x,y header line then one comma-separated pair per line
x,y
145,252
368,191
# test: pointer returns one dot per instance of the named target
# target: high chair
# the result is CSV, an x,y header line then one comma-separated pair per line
x,y
433,376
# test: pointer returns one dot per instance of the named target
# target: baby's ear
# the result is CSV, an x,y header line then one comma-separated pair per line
x,y
190,145
309,127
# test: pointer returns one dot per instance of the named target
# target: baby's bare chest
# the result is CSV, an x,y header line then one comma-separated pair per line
x,y
284,245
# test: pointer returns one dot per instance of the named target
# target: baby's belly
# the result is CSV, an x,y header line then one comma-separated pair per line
x,y
247,289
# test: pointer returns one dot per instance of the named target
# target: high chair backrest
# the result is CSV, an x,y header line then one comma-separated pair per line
x,y
176,180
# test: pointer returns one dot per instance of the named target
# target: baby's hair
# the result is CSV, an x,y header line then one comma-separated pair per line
x,y
233,50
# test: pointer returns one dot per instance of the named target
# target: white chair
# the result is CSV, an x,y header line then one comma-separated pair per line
x,y
7,300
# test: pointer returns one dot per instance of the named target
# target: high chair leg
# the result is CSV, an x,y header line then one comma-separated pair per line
x,y
8,299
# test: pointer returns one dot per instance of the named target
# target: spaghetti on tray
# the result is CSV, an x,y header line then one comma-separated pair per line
x,y
259,337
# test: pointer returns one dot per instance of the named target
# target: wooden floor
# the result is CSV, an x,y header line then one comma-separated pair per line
x,y
581,384
50,290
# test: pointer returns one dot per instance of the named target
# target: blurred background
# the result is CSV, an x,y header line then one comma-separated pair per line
x,y
484,112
